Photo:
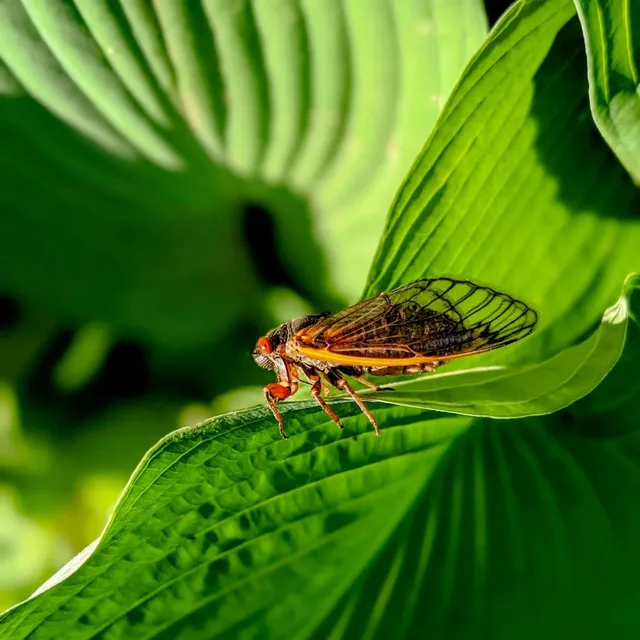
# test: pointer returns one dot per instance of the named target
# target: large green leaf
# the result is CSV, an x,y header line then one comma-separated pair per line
x,y
134,133
612,35
227,526
227,531
516,187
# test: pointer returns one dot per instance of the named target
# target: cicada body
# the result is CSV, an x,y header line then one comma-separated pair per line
x,y
414,328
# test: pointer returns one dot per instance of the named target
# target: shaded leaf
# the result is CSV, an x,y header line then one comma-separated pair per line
x,y
611,32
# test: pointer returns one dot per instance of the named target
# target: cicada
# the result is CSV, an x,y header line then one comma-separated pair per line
x,y
414,328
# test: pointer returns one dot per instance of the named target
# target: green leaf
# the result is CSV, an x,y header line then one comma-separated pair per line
x,y
135,133
516,188
227,531
218,519
611,32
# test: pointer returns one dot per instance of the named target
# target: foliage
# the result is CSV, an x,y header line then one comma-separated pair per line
x,y
142,147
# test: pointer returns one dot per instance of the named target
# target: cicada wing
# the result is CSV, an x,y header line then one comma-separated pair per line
x,y
427,319
347,322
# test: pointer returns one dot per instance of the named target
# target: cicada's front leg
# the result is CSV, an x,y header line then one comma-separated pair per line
x,y
272,393
281,390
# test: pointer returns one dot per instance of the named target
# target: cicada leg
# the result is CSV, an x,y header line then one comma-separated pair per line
x,y
317,388
272,393
372,385
340,383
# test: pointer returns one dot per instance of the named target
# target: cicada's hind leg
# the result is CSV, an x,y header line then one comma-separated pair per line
x,y
340,383
372,385
316,391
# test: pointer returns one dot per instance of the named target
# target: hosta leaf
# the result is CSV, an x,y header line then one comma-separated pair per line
x,y
526,529
516,187
227,531
219,520
134,133
612,35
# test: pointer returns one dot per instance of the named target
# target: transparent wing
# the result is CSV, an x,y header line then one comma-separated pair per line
x,y
429,318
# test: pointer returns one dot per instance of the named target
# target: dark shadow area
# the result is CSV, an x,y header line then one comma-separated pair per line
x,y
39,384
125,374
278,232
589,176
260,236
495,9
9,312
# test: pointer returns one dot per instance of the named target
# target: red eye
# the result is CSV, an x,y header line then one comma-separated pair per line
x,y
264,344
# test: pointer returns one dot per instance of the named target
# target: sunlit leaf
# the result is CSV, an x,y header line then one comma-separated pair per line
x,y
516,187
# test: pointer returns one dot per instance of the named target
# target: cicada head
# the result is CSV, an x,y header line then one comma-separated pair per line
x,y
267,352
262,354
270,349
